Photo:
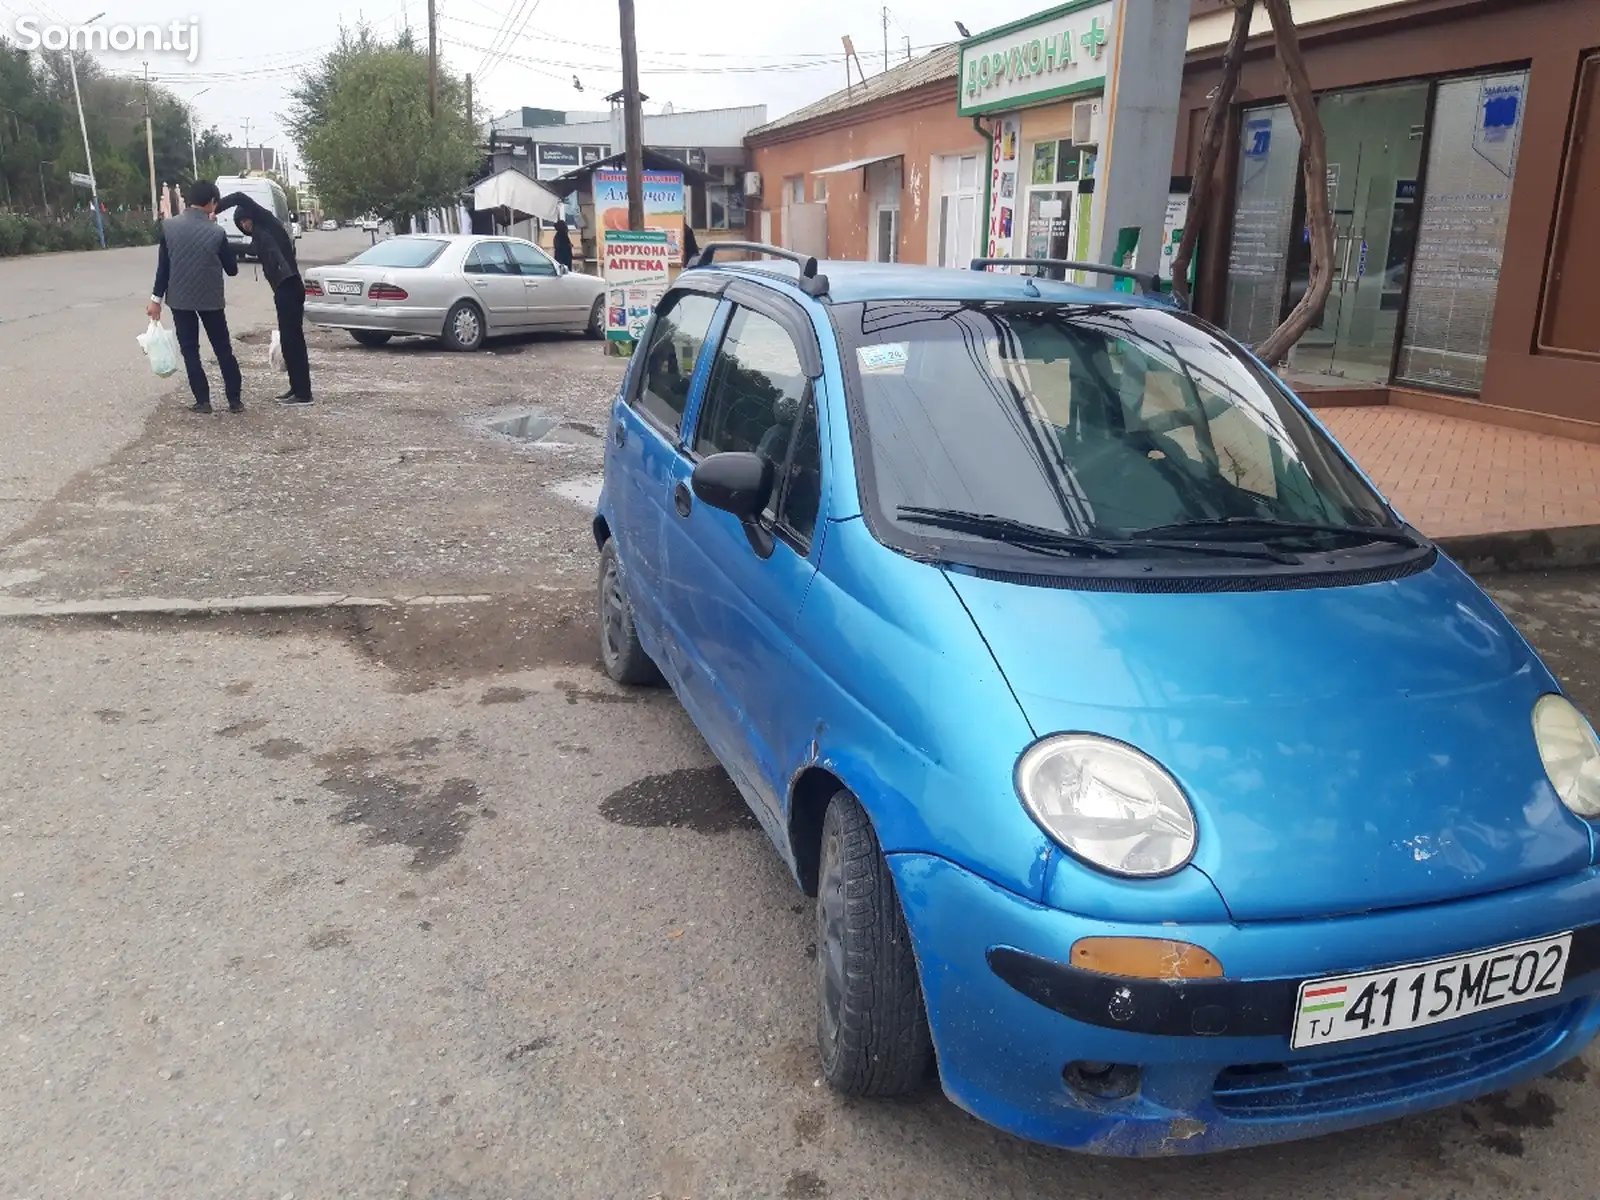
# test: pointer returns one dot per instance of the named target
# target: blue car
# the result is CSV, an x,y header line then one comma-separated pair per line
x,y
1159,786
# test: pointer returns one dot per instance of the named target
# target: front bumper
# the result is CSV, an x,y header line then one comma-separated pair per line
x,y
389,318
1230,1080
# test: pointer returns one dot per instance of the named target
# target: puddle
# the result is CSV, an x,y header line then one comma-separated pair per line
x,y
584,490
525,427
699,798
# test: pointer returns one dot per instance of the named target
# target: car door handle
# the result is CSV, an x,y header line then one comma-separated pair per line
x,y
620,434
480,283
681,500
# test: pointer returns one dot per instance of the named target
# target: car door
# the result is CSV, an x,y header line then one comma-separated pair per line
x,y
732,595
646,428
497,285
548,303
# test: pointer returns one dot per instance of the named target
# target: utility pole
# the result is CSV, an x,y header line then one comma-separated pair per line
x,y
247,145
433,60
88,159
632,118
885,37
470,121
149,142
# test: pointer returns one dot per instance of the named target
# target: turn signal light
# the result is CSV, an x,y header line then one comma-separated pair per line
x,y
1144,958
385,291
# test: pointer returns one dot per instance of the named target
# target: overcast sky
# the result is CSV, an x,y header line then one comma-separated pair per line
x,y
693,53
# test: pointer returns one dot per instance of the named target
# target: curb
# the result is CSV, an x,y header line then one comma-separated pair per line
x,y
19,609
1524,550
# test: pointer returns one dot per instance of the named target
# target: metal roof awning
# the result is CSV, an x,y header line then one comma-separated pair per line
x,y
855,164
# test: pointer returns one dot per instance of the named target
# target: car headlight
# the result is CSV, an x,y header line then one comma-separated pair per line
x,y
1571,753
1108,804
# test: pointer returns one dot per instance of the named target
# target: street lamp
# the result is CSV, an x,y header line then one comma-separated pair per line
x,y
194,164
88,159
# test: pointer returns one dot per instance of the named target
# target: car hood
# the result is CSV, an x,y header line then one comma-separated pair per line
x,y
1346,749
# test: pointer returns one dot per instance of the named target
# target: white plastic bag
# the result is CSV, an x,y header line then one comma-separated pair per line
x,y
275,353
160,345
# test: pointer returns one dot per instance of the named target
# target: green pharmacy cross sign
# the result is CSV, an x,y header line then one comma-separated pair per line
x,y
1050,56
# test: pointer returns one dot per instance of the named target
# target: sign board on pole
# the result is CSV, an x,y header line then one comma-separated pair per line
x,y
636,270
80,180
663,204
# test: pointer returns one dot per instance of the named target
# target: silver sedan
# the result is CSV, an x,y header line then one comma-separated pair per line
x,y
458,287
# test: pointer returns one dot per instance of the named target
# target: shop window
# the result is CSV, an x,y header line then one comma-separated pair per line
x,y
819,189
1472,162
1567,324
720,201
1263,216
794,189
1055,162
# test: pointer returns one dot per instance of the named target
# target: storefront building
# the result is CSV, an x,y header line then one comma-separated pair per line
x,y
1463,148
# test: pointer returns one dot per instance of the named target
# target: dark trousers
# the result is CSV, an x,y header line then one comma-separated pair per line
x,y
290,297
186,323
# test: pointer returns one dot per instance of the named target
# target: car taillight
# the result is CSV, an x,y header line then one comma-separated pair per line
x,y
386,291
313,288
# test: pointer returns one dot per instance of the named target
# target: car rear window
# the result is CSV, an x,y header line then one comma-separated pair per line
x,y
400,252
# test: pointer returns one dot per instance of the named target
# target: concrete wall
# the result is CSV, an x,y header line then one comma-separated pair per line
x,y
918,125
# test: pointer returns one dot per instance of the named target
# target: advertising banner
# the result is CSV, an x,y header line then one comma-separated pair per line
x,y
636,271
663,205
1003,193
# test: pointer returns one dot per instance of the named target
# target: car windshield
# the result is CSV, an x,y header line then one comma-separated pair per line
x,y
1105,420
400,252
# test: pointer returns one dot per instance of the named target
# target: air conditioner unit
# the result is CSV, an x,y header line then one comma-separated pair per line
x,y
752,183
1088,123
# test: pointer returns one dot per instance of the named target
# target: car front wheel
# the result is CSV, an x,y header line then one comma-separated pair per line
x,y
620,651
463,326
872,1026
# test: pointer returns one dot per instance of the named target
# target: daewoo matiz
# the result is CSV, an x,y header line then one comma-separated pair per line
x,y
1158,785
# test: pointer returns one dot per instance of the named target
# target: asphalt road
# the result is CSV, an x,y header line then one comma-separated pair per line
x,y
412,901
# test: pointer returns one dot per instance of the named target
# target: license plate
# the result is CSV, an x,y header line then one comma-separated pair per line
x,y
340,288
1357,1006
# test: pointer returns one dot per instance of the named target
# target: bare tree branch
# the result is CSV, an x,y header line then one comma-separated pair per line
x,y
1211,136
1303,104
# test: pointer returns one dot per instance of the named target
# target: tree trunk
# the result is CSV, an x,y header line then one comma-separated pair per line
x,y
1314,147
1211,136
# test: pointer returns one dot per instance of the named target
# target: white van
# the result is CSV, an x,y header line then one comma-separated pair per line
x,y
265,193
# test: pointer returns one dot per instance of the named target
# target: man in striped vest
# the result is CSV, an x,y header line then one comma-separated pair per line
x,y
194,257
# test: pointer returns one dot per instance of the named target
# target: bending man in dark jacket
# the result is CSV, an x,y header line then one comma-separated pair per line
x,y
194,257
273,248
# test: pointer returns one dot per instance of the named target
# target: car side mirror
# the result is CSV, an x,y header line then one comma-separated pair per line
x,y
560,269
735,481
740,483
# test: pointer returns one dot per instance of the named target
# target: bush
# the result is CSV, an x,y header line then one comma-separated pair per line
x,y
26,233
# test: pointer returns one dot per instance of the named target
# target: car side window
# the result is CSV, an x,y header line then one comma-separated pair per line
x,y
759,402
528,260
487,258
676,340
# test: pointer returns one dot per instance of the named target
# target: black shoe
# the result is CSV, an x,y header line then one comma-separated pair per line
x,y
235,406
289,395
201,406
291,398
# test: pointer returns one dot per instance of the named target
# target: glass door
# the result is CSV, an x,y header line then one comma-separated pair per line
x,y
1374,141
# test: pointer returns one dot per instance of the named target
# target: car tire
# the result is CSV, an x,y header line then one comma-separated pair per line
x,y
872,1024
463,326
621,654
371,337
596,328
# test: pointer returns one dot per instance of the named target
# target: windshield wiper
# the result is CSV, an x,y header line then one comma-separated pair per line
x,y
1005,529
1041,540
1260,529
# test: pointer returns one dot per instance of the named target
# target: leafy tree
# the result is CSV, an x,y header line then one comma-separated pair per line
x,y
361,121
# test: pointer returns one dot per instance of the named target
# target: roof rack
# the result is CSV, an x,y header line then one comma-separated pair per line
x,y
1149,283
811,283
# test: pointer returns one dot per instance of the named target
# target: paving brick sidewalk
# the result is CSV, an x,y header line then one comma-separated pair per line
x,y
1452,477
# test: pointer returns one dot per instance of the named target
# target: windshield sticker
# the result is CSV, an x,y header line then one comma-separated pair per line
x,y
889,358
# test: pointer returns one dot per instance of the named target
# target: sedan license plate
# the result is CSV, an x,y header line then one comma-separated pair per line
x,y
341,288
1358,1006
